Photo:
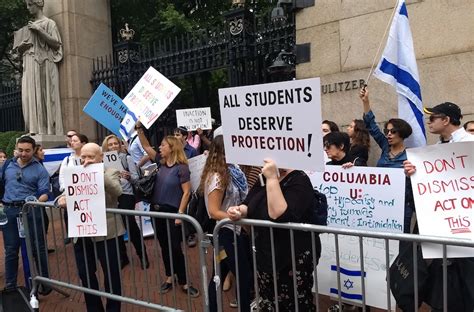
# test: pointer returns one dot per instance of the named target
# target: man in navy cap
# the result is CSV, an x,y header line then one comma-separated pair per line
x,y
445,120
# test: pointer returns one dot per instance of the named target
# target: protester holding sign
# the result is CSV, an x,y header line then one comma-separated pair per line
x,y
77,142
170,194
224,186
286,197
105,246
391,141
127,201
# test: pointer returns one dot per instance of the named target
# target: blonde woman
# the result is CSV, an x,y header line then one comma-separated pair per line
x,y
127,201
171,194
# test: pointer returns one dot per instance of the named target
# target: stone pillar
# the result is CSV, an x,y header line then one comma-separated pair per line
x,y
85,28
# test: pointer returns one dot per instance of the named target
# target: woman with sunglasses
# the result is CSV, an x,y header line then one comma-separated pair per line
x,y
391,141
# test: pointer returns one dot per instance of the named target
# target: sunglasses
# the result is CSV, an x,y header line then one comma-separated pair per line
x,y
326,144
18,176
392,131
434,117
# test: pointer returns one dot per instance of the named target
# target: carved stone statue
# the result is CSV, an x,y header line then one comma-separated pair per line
x,y
40,45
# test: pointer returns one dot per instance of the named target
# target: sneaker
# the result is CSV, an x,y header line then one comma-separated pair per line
x,y
166,287
233,303
335,308
193,292
191,240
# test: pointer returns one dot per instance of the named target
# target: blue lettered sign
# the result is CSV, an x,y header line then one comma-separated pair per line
x,y
106,108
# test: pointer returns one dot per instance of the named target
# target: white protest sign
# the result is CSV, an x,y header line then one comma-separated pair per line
x,y
145,223
278,120
85,198
194,118
112,160
196,166
148,99
444,198
361,198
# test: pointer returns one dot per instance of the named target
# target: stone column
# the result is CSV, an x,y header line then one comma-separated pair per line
x,y
85,28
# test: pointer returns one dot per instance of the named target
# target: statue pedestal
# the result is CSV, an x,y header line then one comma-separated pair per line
x,y
49,140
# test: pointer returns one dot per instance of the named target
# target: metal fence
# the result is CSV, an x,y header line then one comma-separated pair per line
x,y
141,287
11,115
410,273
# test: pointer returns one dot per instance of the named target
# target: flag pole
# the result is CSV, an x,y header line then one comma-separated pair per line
x,y
371,71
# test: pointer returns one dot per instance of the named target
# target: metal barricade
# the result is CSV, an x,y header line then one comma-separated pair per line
x,y
139,288
313,230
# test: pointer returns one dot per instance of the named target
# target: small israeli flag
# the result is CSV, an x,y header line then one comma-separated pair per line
x,y
351,287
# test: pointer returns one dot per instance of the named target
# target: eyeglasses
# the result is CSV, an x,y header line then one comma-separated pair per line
x,y
326,145
434,117
18,176
392,131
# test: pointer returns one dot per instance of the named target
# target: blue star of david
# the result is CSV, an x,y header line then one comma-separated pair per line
x,y
348,284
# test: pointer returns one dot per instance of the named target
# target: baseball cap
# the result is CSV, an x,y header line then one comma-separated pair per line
x,y
447,108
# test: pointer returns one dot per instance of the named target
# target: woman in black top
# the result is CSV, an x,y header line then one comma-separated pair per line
x,y
288,197
359,140
336,146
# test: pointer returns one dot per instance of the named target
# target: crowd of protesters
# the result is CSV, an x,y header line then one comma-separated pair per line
x,y
228,190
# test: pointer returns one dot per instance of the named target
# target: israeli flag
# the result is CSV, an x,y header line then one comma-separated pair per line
x,y
53,158
351,286
127,127
397,67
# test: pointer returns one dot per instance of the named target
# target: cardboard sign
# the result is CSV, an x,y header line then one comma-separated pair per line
x,y
196,166
85,198
112,160
106,108
280,120
147,100
361,198
444,197
194,118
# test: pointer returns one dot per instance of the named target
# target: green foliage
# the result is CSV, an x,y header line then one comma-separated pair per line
x,y
8,141
13,16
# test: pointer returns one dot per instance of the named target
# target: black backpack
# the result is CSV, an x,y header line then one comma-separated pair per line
x,y
197,209
319,213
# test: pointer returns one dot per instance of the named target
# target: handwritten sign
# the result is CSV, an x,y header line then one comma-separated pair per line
x,y
194,118
106,108
112,160
85,198
277,120
361,198
444,197
147,100
196,166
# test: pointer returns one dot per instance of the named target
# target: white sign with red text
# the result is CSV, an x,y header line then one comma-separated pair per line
x,y
85,198
147,100
443,188
279,120
360,198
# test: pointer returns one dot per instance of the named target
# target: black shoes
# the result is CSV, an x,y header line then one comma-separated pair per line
x,y
191,241
166,287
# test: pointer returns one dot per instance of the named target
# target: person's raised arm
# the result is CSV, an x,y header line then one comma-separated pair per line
x,y
204,139
277,204
364,96
144,141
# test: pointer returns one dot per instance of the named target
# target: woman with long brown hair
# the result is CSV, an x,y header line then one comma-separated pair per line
x,y
360,140
224,186
170,194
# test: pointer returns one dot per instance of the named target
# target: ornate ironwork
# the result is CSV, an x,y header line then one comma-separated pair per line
x,y
11,115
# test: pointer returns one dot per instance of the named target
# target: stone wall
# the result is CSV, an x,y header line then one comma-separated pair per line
x,y
345,36
85,29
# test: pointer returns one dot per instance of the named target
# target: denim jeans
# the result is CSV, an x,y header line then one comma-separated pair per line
x,y
11,242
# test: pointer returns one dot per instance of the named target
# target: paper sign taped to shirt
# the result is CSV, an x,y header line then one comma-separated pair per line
x,y
85,198
444,198
279,120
